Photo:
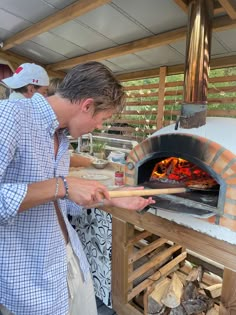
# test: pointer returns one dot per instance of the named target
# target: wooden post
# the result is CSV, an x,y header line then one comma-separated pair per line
x,y
228,295
161,98
121,233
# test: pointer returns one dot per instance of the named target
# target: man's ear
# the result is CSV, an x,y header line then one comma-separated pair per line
x,y
30,90
87,105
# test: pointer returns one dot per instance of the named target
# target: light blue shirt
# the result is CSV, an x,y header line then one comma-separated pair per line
x,y
33,269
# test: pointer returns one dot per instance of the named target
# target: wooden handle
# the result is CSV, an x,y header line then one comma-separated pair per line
x,y
145,192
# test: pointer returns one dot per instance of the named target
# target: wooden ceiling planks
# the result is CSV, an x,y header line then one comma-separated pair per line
x,y
219,24
67,14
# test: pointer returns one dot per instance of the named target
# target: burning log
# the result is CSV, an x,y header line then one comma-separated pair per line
x,y
177,170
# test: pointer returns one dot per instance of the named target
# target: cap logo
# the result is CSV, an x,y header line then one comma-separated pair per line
x,y
18,70
35,81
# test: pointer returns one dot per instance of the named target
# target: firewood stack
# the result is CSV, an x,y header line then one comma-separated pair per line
x,y
180,295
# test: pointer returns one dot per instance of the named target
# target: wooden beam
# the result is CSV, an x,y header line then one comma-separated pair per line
x,y
207,246
67,14
120,236
219,24
17,60
182,4
223,23
161,98
228,295
223,62
229,8
129,48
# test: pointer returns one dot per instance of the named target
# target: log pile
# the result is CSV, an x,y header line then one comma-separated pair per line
x,y
183,294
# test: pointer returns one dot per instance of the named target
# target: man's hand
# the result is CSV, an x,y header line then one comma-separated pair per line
x,y
86,192
131,203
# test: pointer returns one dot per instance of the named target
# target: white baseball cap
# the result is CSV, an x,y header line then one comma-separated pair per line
x,y
27,73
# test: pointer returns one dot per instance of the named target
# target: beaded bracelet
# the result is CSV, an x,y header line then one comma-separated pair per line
x,y
57,189
66,187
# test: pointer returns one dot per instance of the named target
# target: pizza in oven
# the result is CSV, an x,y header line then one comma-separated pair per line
x,y
201,183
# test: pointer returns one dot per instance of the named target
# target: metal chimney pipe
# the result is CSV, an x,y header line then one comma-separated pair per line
x,y
197,60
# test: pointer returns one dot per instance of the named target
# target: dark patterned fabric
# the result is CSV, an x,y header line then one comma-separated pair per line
x,y
95,231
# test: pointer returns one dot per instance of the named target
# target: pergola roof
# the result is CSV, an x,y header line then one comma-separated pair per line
x,y
132,37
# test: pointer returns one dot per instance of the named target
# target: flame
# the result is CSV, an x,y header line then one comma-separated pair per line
x,y
178,169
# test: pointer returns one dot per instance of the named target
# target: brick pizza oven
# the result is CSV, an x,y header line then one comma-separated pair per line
x,y
208,155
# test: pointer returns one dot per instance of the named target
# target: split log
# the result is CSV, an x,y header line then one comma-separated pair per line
x,y
201,304
213,311
195,275
154,299
172,296
190,292
178,311
214,290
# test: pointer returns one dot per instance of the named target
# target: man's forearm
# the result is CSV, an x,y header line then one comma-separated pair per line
x,y
42,192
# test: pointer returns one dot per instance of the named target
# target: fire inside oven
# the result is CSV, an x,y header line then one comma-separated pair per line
x,y
202,190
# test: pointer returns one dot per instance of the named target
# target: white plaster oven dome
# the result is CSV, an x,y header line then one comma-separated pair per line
x,y
221,130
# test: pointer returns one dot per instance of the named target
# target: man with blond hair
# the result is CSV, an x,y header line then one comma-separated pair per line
x,y
43,268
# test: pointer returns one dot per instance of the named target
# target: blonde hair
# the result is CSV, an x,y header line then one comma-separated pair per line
x,y
93,80
53,85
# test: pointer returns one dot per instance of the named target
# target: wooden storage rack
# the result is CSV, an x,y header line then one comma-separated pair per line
x,y
124,287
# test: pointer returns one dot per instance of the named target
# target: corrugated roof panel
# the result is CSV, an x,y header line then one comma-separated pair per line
x,y
58,44
33,10
114,25
156,15
82,36
38,53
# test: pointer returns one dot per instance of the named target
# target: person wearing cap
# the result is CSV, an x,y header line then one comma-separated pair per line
x,y
43,268
28,79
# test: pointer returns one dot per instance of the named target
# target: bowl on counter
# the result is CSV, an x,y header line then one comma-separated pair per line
x,y
100,163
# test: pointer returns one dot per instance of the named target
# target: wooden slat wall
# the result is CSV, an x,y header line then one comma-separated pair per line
x,y
140,113
153,106
221,98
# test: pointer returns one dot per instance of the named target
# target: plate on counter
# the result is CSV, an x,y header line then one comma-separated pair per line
x,y
95,176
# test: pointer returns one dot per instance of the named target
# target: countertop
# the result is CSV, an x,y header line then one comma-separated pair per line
x,y
106,175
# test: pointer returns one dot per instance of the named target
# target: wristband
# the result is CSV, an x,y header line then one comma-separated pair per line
x,y
66,187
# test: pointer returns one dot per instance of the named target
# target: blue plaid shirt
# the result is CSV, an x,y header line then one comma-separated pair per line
x,y
33,268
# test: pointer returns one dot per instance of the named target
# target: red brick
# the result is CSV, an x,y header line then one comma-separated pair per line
x,y
230,208
231,193
229,223
212,149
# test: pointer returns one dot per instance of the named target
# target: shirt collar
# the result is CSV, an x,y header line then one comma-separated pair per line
x,y
48,116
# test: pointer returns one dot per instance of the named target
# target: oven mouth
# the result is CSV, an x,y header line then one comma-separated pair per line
x,y
179,171
202,195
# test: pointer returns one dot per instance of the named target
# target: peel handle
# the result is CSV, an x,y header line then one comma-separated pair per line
x,y
145,192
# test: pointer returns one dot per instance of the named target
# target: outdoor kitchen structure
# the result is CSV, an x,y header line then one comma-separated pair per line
x,y
139,39
196,153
